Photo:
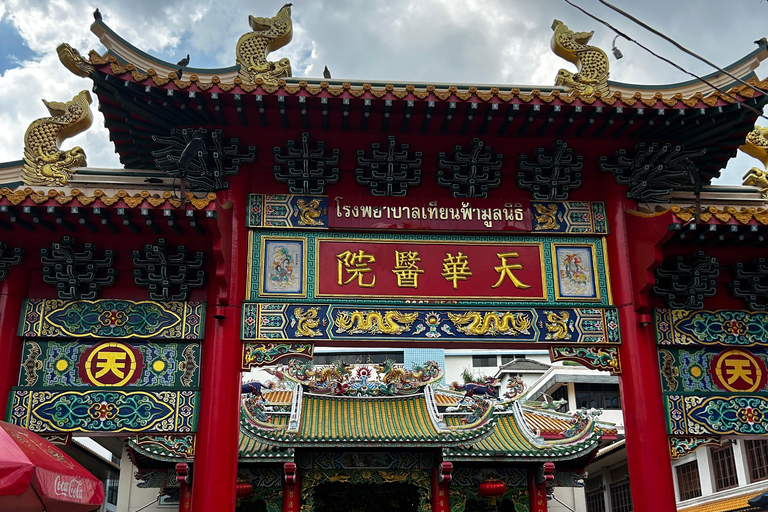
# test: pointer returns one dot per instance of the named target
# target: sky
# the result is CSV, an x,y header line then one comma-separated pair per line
x,y
456,41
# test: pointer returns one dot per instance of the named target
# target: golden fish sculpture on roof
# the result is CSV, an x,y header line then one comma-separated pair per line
x,y
756,146
591,62
252,48
44,162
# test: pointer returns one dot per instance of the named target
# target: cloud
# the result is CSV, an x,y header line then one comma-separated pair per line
x,y
469,42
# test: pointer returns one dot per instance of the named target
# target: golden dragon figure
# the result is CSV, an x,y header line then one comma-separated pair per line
x,y
373,322
306,322
591,62
546,216
756,146
473,323
252,48
73,61
309,212
44,162
557,325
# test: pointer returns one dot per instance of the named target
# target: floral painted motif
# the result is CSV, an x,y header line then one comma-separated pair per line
x,y
574,268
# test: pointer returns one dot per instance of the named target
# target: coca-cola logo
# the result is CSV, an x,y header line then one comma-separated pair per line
x,y
72,488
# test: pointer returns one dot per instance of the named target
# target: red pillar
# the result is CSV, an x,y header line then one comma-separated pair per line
x,y
650,471
216,446
185,497
12,293
291,488
441,496
537,494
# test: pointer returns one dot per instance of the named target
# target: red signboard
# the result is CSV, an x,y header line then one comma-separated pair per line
x,y
430,270
425,214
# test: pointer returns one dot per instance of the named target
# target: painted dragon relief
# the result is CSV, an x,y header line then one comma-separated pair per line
x,y
756,146
252,48
591,62
44,162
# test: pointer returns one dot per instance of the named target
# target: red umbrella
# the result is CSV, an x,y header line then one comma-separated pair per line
x,y
36,476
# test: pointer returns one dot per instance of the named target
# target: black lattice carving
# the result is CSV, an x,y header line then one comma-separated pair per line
x,y
8,258
551,177
685,285
750,282
168,276
207,170
77,274
306,170
391,171
654,171
472,173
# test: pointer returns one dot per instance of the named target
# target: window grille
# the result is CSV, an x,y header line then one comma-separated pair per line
x,y
621,497
724,468
757,457
595,501
483,361
597,396
688,482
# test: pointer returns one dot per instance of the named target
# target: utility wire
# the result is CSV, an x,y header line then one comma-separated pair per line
x,y
679,46
675,65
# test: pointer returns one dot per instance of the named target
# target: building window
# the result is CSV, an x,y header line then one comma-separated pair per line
x,y
508,358
621,497
688,482
597,396
359,358
724,468
483,361
757,456
595,501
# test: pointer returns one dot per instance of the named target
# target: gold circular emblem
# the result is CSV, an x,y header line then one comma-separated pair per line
x,y
62,365
158,365
738,370
111,364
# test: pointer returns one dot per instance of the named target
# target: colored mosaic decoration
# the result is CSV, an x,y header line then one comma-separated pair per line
x,y
596,357
306,170
750,282
395,460
569,217
156,478
110,364
165,447
214,159
716,415
653,171
473,477
684,283
552,176
389,171
472,172
9,257
708,371
393,268
711,327
386,379
265,354
77,274
287,211
681,446
112,318
291,322
104,411
168,276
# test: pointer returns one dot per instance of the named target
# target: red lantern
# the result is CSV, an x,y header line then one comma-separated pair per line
x,y
243,489
492,489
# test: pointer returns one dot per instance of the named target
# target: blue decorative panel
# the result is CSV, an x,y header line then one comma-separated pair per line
x,y
719,415
711,327
287,211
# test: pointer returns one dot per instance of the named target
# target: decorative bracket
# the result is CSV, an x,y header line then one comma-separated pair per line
x,y
553,176
163,273
596,358
289,470
444,472
8,260
389,172
751,284
306,170
685,285
77,275
212,160
680,446
471,173
654,171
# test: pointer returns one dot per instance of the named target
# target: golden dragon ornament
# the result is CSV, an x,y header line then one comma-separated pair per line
x,y
252,48
591,62
491,323
44,162
373,322
756,146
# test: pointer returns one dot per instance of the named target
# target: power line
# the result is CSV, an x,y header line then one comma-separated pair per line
x,y
671,63
679,46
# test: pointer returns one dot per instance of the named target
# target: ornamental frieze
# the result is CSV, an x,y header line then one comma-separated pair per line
x,y
324,322
112,318
114,363
265,354
707,370
104,411
323,265
711,327
425,214
716,415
